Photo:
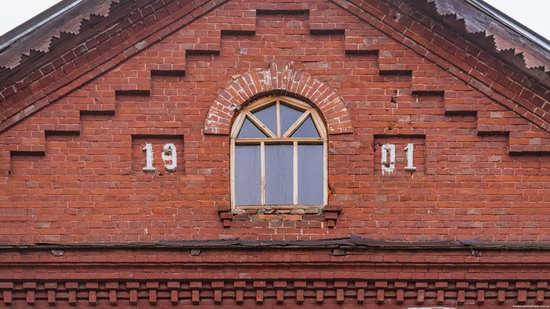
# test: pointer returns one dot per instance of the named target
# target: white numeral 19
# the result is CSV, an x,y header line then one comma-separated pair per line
x,y
388,158
169,157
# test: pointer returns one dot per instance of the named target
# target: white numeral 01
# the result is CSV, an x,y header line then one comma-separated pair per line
x,y
169,156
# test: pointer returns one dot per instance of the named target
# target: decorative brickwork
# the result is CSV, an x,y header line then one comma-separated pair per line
x,y
293,278
150,24
253,293
278,78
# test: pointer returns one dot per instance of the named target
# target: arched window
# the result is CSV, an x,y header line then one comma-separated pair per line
x,y
278,155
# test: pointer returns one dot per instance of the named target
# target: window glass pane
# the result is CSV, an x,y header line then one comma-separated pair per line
x,y
307,129
310,174
289,115
268,116
249,130
278,174
247,174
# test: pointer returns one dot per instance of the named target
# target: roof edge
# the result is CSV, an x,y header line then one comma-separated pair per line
x,y
36,22
511,23
508,33
350,243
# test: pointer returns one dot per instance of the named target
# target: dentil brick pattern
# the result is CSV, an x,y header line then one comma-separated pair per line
x,y
68,170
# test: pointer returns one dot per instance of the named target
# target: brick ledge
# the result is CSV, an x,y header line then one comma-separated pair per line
x,y
328,214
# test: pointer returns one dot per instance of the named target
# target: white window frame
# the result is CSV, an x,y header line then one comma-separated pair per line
x,y
279,137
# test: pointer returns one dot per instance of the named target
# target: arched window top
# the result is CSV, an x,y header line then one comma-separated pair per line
x,y
278,117
278,155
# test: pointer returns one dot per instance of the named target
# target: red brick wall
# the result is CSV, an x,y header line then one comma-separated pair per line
x,y
486,170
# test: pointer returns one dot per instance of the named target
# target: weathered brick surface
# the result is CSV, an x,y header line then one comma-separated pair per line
x,y
69,172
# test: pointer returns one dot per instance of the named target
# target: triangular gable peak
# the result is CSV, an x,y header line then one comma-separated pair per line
x,y
383,33
26,91
416,68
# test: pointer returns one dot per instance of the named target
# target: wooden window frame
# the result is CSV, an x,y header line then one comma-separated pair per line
x,y
279,137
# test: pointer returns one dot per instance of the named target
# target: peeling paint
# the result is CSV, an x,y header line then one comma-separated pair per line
x,y
388,159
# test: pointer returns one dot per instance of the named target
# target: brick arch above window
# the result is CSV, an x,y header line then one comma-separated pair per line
x,y
280,76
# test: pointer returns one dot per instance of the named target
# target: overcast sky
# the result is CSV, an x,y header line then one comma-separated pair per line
x,y
532,13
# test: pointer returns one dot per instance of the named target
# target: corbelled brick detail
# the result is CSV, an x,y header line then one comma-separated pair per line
x,y
291,279
279,77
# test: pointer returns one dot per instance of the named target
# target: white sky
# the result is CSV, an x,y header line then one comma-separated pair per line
x,y
532,13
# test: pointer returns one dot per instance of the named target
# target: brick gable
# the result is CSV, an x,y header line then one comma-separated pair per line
x,y
71,163
470,141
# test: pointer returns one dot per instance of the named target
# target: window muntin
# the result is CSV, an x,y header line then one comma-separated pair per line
x,y
278,155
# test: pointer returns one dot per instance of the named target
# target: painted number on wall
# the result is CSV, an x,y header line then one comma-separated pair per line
x,y
169,157
388,158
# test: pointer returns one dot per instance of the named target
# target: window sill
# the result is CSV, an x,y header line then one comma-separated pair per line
x,y
329,214
278,209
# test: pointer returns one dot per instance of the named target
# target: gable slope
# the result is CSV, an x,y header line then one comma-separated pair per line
x,y
146,23
465,64
531,103
37,34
